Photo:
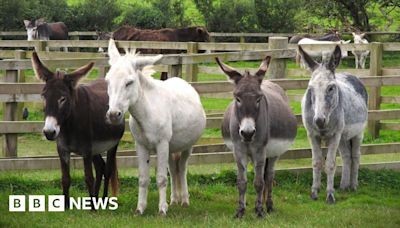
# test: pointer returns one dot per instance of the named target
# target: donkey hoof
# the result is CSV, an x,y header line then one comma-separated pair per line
x,y
260,212
239,213
138,212
185,204
162,213
270,209
314,196
174,202
330,199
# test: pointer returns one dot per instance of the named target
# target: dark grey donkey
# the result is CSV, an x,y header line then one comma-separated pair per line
x,y
334,109
258,124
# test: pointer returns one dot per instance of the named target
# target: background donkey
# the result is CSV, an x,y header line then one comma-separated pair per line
x,y
360,56
334,109
75,117
258,123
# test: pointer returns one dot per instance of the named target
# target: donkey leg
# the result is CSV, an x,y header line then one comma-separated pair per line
x,y
66,178
99,166
330,167
317,165
162,179
89,179
173,170
345,153
259,168
183,161
241,161
111,172
144,177
269,182
355,159
356,60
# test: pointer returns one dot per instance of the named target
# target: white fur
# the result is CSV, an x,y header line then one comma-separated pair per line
x,y
276,147
360,56
166,116
321,52
51,124
247,124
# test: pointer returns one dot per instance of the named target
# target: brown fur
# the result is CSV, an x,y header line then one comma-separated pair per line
x,y
194,34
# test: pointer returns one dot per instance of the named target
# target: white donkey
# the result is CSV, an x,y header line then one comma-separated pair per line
x,y
323,52
334,110
167,118
360,56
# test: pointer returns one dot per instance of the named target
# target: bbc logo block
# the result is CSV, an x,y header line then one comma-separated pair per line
x,y
36,203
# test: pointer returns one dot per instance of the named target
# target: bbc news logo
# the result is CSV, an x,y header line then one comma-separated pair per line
x,y
56,203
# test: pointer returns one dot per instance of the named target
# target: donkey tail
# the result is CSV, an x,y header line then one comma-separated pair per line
x,y
114,178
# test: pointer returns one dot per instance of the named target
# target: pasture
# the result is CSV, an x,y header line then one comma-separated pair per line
x,y
213,201
212,187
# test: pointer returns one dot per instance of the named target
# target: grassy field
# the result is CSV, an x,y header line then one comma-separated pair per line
x,y
213,202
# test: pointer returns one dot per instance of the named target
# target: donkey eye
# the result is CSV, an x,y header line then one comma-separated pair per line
x,y
237,99
129,83
61,101
331,89
258,100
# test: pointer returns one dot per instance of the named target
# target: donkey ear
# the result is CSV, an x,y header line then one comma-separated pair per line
x,y
362,35
311,64
143,61
27,22
41,72
113,52
354,34
231,72
263,68
335,59
75,76
39,21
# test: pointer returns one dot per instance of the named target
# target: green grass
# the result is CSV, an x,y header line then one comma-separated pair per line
x,y
213,201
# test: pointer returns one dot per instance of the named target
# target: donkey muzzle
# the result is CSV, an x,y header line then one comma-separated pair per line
x,y
247,135
320,122
114,116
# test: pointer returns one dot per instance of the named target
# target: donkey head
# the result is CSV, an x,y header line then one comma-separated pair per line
x,y
125,79
323,91
58,94
32,28
358,38
248,96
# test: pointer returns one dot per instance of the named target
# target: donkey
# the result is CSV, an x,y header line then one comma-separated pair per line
x,y
258,123
171,135
334,109
360,56
75,118
331,36
322,52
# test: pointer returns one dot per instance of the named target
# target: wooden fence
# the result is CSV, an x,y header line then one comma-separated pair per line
x,y
12,92
76,35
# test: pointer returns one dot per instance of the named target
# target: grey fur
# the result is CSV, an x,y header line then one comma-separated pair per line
x,y
337,116
264,104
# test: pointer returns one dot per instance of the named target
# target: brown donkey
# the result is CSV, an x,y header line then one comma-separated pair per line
x,y
75,118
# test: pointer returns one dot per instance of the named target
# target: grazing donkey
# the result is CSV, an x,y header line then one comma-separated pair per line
x,y
360,56
258,124
334,109
75,117
170,135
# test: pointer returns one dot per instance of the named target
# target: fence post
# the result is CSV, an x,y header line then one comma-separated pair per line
x,y
20,54
175,71
242,39
374,101
277,67
103,71
192,69
75,49
10,114
40,45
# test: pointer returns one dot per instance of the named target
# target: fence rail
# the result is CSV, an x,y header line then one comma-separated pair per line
x,y
12,92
